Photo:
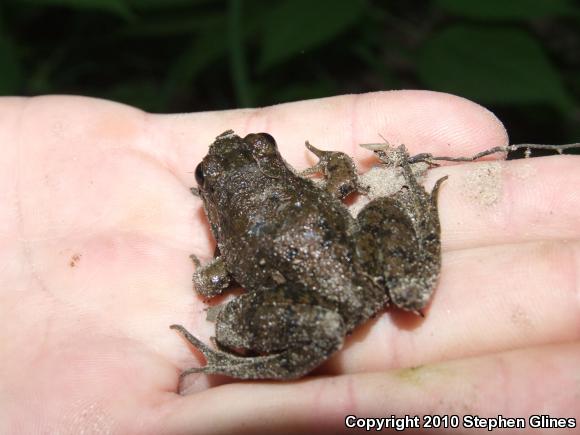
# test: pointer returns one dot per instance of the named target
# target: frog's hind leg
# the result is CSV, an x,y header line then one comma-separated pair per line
x,y
398,238
387,248
290,339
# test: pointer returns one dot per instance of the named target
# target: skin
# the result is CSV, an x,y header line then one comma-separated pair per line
x,y
97,224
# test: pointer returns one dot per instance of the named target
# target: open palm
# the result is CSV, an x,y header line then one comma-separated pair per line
x,y
97,223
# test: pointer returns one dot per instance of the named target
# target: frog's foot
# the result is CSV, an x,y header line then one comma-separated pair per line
x,y
215,358
386,153
211,279
392,156
397,156
223,362
339,171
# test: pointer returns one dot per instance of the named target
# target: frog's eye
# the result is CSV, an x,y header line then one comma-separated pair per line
x,y
199,177
268,138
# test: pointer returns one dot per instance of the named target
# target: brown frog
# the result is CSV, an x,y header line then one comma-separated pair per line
x,y
312,273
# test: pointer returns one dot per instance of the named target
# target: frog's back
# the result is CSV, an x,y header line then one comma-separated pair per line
x,y
286,232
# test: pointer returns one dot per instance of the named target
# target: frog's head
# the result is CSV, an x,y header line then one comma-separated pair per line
x,y
232,156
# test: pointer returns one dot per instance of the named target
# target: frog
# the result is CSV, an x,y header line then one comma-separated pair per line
x,y
311,271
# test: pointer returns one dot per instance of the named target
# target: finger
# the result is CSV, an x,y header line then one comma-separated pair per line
x,y
518,201
424,121
487,300
523,383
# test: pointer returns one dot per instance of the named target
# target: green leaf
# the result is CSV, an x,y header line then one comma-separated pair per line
x,y
508,10
184,24
300,91
491,65
10,76
117,7
144,5
237,55
141,93
294,26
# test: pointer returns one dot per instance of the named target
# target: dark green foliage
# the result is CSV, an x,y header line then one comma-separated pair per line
x,y
292,27
521,58
116,7
509,10
500,65
11,74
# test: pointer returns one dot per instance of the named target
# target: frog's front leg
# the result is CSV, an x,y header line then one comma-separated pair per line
x,y
211,279
339,171
291,339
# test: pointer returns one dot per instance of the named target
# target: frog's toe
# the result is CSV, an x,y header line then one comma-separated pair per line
x,y
195,261
215,358
196,342
190,371
317,152
211,369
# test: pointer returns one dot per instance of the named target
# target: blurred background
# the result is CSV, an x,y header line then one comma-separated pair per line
x,y
520,58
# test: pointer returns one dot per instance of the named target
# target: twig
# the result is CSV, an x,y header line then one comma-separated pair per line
x,y
426,157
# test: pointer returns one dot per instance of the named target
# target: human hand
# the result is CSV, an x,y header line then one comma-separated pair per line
x,y
98,222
